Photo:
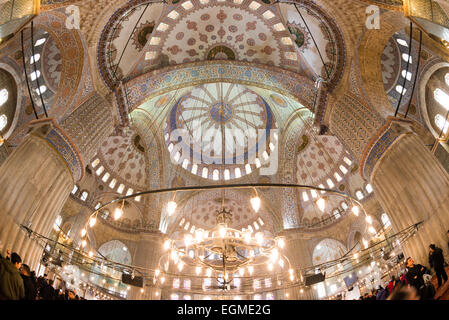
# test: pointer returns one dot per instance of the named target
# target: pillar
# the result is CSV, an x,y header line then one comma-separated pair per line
x,y
408,181
37,178
35,182
149,250
299,253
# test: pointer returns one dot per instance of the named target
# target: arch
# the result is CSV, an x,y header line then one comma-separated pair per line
x,y
149,85
370,49
327,250
17,96
426,74
116,251
74,61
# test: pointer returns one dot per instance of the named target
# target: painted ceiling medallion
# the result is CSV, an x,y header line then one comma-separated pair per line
x,y
143,34
300,36
217,115
220,52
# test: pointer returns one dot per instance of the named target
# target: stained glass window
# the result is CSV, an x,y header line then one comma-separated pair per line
x,y
3,122
442,98
3,96
442,123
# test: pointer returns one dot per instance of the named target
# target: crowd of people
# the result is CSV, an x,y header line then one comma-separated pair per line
x,y
415,283
18,282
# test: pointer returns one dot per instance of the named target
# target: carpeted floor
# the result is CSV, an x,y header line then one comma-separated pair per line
x,y
443,292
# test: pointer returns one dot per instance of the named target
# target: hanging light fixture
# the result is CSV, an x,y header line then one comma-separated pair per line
x,y
321,203
227,251
92,221
118,212
171,206
369,219
223,251
255,201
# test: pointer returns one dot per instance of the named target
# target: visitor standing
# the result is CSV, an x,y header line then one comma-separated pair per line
x,y
11,283
392,284
436,261
415,274
28,283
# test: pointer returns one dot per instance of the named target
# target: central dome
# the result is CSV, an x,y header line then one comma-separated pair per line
x,y
216,117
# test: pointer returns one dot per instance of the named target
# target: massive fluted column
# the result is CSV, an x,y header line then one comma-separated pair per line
x,y
37,177
408,180
34,184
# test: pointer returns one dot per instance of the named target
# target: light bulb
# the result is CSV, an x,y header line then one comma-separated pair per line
x,y
199,235
356,255
92,221
281,263
250,269
222,231
174,255
171,207
118,213
255,203
226,276
281,243
157,272
247,237
321,203
167,244
91,254
270,267
198,271
83,243
162,280
372,230
188,239
180,265
369,219
365,243
355,210
274,255
259,238
292,278
83,232
290,271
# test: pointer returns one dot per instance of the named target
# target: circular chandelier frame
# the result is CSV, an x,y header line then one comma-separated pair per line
x,y
224,240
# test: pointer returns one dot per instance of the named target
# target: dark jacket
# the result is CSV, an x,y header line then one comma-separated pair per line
x,y
381,294
417,271
436,259
11,283
30,288
47,292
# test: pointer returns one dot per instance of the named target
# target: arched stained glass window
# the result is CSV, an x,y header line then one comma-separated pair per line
x,y
442,123
3,122
3,96
84,195
442,98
